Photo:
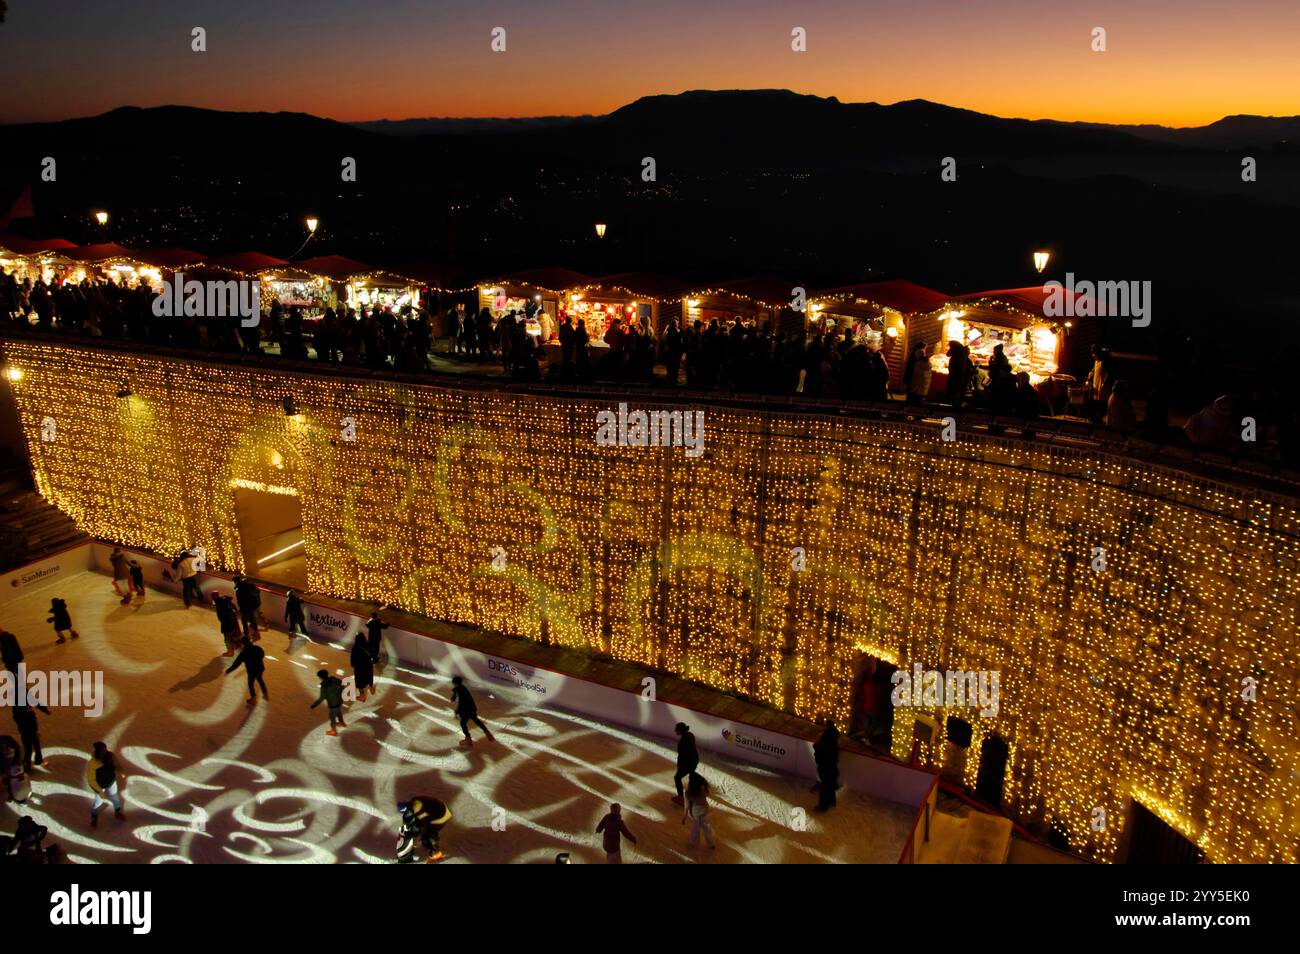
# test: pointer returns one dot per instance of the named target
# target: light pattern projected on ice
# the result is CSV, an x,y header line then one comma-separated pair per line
x,y
212,780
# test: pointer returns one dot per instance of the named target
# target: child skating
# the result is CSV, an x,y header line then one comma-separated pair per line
x,y
462,703
61,620
331,693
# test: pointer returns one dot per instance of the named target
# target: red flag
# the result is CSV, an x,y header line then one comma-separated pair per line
x,y
21,209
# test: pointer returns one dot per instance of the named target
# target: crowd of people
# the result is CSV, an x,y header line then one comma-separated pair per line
x,y
735,356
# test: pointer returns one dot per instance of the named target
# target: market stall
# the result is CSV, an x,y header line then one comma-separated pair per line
x,y
879,315
757,302
160,264
1012,318
33,259
545,296
106,261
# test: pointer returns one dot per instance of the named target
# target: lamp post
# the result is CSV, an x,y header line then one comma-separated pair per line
x,y
101,217
600,230
312,222
1041,258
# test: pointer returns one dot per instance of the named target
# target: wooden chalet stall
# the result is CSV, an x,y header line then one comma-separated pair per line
x,y
32,259
879,313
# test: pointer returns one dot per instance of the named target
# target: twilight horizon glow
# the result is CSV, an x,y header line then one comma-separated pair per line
x,y
399,59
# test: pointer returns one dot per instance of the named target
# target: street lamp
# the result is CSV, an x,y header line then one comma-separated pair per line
x,y
600,230
101,217
1041,258
312,222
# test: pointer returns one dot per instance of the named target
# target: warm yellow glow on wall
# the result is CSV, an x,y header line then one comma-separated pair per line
x,y
974,554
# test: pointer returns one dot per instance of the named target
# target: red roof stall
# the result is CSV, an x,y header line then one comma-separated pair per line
x,y
1015,318
33,258
551,292
879,314
762,302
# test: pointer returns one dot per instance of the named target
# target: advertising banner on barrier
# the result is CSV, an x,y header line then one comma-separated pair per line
x,y
23,580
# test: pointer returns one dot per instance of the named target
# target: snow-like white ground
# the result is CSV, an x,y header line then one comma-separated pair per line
x,y
210,779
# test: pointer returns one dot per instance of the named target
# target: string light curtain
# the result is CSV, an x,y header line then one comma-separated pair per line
x,y
1119,685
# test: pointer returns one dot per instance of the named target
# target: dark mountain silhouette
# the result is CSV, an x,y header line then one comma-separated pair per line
x,y
748,182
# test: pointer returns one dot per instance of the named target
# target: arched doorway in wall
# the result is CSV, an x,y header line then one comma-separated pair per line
x,y
1153,841
269,523
871,717
991,778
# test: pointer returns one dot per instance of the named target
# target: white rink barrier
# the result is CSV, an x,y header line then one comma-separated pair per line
x,y
48,569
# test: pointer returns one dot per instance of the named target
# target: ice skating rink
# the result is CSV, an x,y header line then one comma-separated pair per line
x,y
212,780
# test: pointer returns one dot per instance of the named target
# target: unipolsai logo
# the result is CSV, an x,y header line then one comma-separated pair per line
x,y
502,671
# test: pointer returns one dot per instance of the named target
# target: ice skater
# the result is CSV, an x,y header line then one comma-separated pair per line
x,y
294,616
121,574
363,668
137,578
697,810
187,566
615,830
229,620
331,693
252,658
249,598
826,753
688,757
423,819
101,776
11,767
11,653
29,732
462,703
375,627
61,620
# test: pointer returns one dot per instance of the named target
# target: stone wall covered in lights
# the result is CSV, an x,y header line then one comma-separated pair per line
x,y
1121,684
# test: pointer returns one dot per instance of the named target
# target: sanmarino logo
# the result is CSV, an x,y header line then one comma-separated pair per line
x,y
35,575
753,744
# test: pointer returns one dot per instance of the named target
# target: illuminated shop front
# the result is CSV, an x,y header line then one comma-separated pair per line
x,y
879,314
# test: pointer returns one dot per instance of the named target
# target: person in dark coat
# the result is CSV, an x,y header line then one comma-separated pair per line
x,y
462,703
875,374
29,732
331,693
688,758
826,753
137,578
375,627
363,668
252,658
613,830
959,371
228,618
61,620
294,616
11,654
249,598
